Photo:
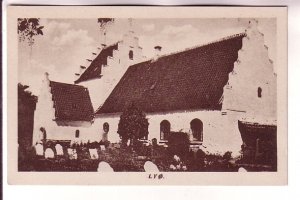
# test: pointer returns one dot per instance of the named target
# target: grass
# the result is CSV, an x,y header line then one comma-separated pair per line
x,y
122,159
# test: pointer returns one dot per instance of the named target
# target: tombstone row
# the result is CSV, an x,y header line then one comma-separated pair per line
x,y
72,153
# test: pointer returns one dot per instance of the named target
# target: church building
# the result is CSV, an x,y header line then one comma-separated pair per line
x,y
206,91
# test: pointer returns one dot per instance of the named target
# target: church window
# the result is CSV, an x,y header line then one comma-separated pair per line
x,y
131,55
197,129
106,127
77,134
165,129
259,92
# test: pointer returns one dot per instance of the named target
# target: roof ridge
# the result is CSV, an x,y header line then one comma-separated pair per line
x,y
193,79
68,84
198,46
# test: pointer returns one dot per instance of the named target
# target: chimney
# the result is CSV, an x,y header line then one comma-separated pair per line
x,y
46,78
157,52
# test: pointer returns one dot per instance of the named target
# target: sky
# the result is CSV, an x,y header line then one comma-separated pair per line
x,y
67,43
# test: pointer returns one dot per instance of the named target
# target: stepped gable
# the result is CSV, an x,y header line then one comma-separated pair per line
x,y
94,70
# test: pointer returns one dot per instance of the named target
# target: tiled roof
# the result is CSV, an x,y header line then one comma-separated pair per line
x,y
191,79
71,102
94,70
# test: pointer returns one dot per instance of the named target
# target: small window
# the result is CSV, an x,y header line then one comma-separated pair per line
x,y
77,134
106,127
259,92
131,55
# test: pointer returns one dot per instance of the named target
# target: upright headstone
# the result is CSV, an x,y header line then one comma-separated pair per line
x,y
150,167
102,147
242,169
39,149
49,153
104,167
59,150
72,154
94,154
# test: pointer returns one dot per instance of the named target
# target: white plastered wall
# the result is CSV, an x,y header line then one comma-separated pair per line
x,y
221,132
252,70
44,117
116,67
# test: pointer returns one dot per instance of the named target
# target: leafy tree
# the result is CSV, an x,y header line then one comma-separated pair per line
x,y
26,96
103,21
26,106
178,143
133,125
28,28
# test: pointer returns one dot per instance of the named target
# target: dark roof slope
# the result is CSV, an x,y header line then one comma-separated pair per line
x,y
94,70
191,79
71,102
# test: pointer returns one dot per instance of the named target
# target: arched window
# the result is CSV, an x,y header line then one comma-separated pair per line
x,y
197,129
165,128
77,133
259,91
131,55
106,127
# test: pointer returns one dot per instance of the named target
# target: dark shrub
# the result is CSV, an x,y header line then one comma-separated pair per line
x,y
133,125
195,160
154,142
227,155
178,143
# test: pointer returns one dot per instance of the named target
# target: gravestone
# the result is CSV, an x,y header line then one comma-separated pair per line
x,y
150,167
242,169
102,147
104,167
59,150
72,154
93,154
39,149
49,153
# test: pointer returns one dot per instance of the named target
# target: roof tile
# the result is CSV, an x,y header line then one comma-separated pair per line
x,y
71,102
191,79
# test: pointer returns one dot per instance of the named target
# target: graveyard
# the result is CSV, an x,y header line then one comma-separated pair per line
x,y
109,157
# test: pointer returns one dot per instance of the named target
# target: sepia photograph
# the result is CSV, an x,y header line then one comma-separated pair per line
x,y
156,95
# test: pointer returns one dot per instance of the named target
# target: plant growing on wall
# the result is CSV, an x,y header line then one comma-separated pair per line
x,y
133,125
